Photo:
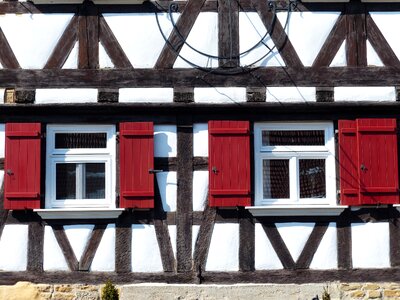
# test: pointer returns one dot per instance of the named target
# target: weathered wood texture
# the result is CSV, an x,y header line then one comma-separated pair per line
x,y
88,36
356,42
246,241
123,244
7,57
394,235
325,94
35,247
343,226
91,247
184,195
228,33
184,95
66,248
256,94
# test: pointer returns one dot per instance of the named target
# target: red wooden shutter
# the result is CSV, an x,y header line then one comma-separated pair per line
x,y
229,163
373,162
22,166
136,159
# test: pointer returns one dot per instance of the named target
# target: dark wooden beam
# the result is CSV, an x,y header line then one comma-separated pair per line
x,y
184,95
356,42
179,34
7,56
228,33
88,36
184,209
246,241
258,94
64,46
35,247
123,244
66,248
343,227
108,95
91,247
394,235
325,94
112,46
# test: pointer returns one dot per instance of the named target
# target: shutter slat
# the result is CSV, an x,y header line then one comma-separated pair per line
x,y
136,159
22,166
229,163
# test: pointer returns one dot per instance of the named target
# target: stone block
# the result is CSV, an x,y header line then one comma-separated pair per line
x,y
371,286
350,286
358,294
374,294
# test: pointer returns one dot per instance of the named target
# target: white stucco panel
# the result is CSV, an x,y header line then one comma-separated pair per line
x,y
291,94
265,257
165,141
295,236
2,139
146,95
340,59
104,259
33,37
389,23
2,94
104,59
145,251
167,185
220,95
78,236
172,236
365,93
14,248
65,96
326,255
200,190
256,46
370,245
223,254
372,57
53,258
200,139
72,60
204,38
308,31
139,35
195,234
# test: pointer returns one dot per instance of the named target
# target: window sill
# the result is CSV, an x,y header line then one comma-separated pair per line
x,y
296,210
79,213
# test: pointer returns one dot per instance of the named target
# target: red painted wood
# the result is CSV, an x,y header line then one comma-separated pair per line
x,y
22,166
378,162
368,161
136,159
229,163
348,158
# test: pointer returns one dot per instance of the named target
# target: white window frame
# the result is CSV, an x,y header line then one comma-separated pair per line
x,y
294,154
82,155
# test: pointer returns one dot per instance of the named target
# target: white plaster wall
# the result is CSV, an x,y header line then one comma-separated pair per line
x,y
223,254
200,190
195,234
104,259
204,38
265,257
2,140
370,245
295,236
104,59
72,60
365,93
326,255
53,258
146,95
291,94
14,248
340,59
65,96
143,42
33,37
172,236
167,185
388,23
251,31
308,31
372,57
2,93
145,250
220,95
165,141
78,236
200,139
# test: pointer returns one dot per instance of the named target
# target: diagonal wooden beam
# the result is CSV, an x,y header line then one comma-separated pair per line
x,y
279,245
184,24
277,34
7,56
112,46
64,46
380,44
91,247
65,246
311,246
332,44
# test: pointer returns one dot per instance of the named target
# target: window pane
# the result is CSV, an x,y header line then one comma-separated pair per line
x,y
312,178
293,138
95,181
276,178
65,181
80,140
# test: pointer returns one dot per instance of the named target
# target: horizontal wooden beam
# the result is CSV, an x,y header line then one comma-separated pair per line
x,y
260,77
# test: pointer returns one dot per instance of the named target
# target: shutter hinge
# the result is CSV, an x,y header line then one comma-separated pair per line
x,y
43,135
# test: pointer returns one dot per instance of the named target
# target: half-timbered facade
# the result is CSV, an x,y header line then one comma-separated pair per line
x,y
217,141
